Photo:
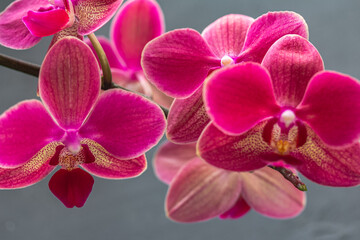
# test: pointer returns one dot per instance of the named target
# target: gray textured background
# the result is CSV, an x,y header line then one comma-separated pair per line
x,y
133,209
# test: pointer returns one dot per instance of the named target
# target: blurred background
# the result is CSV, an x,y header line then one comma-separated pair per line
x,y
134,208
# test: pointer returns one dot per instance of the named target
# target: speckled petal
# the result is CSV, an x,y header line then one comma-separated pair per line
x,y
111,167
270,194
291,62
187,119
227,34
25,129
69,82
170,158
200,192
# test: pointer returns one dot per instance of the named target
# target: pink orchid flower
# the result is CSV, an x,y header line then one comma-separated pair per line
x,y
179,61
199,191
25,22
289,109
106,135
136,23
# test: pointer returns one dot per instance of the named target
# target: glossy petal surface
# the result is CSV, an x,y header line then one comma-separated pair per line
x,y
238,97
69,82
71,187
226,36
137,22
291,62
331,107
111,167
268,28
187,118
125,124
177,62
25,129
170,158
33,171
270,194
236,153
200,192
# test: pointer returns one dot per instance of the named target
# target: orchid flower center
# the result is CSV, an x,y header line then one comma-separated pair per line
x,y
226,61
287,118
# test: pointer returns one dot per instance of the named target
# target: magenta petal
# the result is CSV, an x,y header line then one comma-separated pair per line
x,y
291,62
270,194
331,107
227,34
200,192
31,172
339,167
239,209
268,28
239,97
13,32
137,22
111,167
125,124
69,81
239,153
170,158
93,14
25,129
177,62
71,187
187,118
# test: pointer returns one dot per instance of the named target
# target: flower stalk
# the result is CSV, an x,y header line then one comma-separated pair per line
x,y
19,65
291,177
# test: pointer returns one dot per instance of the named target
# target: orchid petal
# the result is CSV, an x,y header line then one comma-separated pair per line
x,y
170,158
238,97
177,62
25,129
328,166
331,107
160,98
111,167
268,28
291,62
69,82
71,187
227,34
93,14
187,119
239,153
31,172
270,194
13,32
67,32
125,124
200,192
239,209
137,22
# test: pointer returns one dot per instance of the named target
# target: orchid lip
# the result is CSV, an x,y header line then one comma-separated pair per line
x,y
71,140
227,61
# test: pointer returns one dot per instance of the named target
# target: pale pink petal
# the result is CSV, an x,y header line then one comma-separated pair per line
x,y
93,14
236,153
270,194
239,97
13,32
69,82
239,209
161,98
108,166
125,124
338,167
128,80
200,192
291,62
170,158
227,34
187,118
177,62
31,172
268,28
137,22
25,129
72,187
331,107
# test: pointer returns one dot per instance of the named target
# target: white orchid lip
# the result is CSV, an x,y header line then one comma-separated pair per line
x,y
287,117
226,61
